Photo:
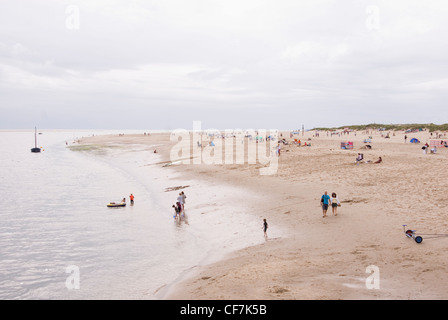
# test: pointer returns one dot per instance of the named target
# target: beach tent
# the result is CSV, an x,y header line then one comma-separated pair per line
x,y
414,140
347,145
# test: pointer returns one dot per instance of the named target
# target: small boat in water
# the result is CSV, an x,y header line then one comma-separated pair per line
x,y
116,204
35,149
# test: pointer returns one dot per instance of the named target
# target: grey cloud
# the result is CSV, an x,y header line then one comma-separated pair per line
x,y
273,64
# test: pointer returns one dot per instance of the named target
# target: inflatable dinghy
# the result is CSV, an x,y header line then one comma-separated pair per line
x,y
114,204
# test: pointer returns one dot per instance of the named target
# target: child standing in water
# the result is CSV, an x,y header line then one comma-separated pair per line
x,y
265,229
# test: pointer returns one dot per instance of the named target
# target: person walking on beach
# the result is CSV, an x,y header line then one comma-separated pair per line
x,y
324,201
132,199
334,203
265,229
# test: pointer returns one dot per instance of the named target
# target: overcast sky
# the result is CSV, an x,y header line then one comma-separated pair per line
x,y
129,64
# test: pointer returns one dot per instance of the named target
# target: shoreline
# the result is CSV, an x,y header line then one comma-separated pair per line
x,y
164,186
326,258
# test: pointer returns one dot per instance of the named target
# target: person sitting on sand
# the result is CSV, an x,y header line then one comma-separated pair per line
x,y
359,158
379,160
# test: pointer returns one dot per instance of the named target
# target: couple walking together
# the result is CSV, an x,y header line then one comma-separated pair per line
x,y
326,201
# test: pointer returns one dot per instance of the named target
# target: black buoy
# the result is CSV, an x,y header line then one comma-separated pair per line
x,y
35,149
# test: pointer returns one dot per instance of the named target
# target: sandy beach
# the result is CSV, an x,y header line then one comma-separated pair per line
x,y
306,255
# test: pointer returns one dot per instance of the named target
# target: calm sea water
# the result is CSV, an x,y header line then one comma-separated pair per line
x,y
56,229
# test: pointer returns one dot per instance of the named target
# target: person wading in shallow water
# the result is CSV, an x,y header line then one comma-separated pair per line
x,y
184,197
265,229
132,199
176,211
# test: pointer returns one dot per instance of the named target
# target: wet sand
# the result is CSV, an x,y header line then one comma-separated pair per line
x,y
311,257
